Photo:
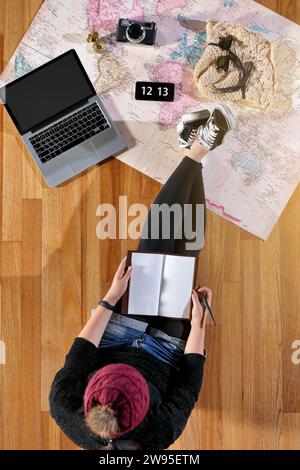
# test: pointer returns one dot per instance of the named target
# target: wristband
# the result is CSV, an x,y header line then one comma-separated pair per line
x,y
107,305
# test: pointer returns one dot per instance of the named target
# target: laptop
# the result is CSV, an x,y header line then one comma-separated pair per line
x,y
61,119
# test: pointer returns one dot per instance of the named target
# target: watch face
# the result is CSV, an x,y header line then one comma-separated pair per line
x,y
154,91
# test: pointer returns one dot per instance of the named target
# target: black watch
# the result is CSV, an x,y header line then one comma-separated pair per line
x,y
107,305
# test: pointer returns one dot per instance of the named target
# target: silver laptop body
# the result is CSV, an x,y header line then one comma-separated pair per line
x,y
74,138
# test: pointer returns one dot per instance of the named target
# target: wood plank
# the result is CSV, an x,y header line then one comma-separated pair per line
x,y
33,182
231,267
17,17
210,402
208,410
70,263
261,339
90,244
51,314
291,431
30,341
66,444
99,187
290,304
2,368
232,367
11,334
12,183
138,188
50,432
110,254
288,8
211,259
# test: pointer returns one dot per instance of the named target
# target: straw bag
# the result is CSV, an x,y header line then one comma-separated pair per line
x,y
236,65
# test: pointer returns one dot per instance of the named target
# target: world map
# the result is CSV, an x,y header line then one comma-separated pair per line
x,y
248,180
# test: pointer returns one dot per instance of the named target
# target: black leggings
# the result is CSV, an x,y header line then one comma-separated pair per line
x,y
184,186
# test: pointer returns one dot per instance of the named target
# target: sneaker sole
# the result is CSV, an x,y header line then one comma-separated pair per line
x,y
227,114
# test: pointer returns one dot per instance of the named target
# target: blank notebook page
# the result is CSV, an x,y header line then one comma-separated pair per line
x,y
177,285
144,287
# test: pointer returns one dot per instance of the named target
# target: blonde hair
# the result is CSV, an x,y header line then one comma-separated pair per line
x,y
103,421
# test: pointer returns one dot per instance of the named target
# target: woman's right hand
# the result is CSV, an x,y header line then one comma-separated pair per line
x,y
199,313
119,283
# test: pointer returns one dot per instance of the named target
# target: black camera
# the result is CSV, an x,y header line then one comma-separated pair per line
x,y
136,32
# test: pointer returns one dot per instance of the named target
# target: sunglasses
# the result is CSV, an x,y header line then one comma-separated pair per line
x,y
222,63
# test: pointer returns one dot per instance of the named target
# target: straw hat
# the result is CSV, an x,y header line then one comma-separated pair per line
x,y
236,66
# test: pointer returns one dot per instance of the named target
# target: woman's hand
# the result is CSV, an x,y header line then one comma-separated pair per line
x,y
119,283
195,341
199,313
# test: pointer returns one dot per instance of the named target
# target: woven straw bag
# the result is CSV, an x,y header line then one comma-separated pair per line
x,y
236,65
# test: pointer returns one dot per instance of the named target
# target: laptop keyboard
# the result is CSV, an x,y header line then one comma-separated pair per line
x,y
69,132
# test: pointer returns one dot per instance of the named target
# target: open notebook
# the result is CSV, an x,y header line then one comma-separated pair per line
x,y
160,284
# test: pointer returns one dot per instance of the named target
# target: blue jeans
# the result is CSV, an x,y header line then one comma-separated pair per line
x,y
122,330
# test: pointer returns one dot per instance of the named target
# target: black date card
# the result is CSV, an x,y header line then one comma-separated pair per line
x,y
154,91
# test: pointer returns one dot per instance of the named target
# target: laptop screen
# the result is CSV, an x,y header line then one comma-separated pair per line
x,y
47,91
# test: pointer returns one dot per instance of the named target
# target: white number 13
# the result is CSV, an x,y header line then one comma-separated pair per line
x,y
163,91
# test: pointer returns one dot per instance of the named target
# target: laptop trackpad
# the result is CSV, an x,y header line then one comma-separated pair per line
x,y
82,157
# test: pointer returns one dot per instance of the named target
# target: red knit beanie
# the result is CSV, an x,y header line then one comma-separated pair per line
x,y
123,389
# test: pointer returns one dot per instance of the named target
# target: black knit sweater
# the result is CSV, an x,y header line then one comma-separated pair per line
x,y
173,394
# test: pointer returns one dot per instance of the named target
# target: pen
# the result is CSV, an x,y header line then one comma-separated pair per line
x,y
203,297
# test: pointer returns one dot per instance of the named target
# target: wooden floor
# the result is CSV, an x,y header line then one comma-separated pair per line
x,y
54,269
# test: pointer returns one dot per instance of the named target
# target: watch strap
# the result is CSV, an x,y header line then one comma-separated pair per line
x,y
107,305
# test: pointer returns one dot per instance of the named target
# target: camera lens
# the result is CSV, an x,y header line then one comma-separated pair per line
x,y
135,32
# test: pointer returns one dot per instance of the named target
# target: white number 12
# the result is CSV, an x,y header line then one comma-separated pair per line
x,y
149,88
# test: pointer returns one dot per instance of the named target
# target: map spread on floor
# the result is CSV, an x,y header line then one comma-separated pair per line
x,y
248,180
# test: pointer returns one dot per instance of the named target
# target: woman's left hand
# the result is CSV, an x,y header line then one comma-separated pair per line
x,y
119,283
